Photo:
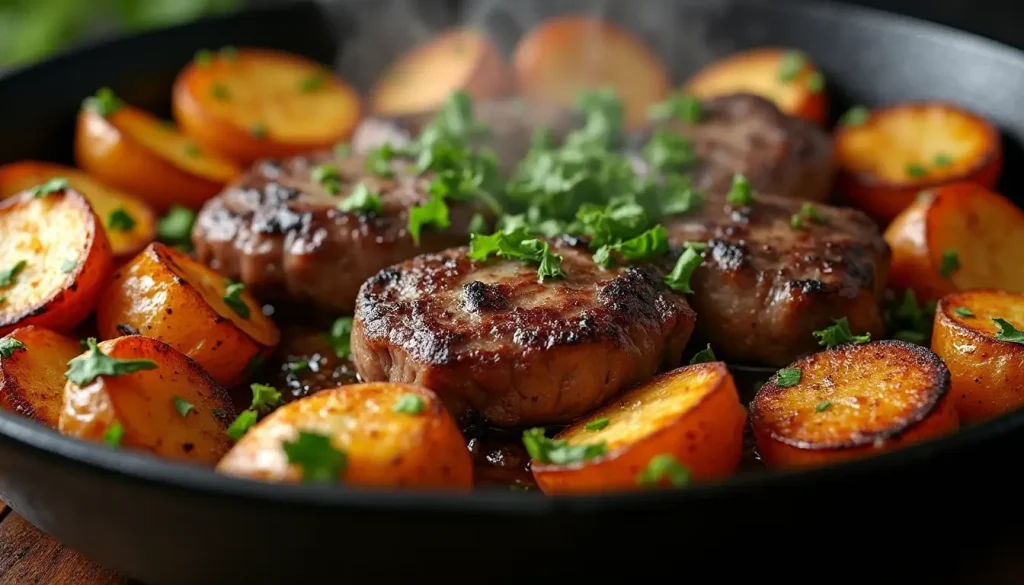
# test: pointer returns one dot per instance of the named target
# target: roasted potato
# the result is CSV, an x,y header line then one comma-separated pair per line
x,y
140,393
785,76
885,157
957,237
691,416
130,223
133,150
421,80
54,259
852,401
254,103
165,294
32,364
567,55
977,334
372,435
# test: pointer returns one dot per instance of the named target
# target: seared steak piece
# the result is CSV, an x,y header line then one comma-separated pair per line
x,y
280,232
748,134
765,286
489,338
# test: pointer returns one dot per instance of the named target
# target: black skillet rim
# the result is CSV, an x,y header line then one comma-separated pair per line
x,y
159,474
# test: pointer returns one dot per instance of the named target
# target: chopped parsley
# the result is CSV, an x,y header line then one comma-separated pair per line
x,y
681,106
664,468
264,397
233,299
796,222
120,220
297,367
950,263
340,336
790,66
668,150
704,356
558,451
432,213
361,200
942,160
114,435
908,321
517,245
313,82
597,424
1007,332
328,175
650,243
855,116
9,345
788,377
917,171
183,406
8,276
809,211
839,334
55,185
741,193
93,363
104,103
319,461
409,403
175,228
679,279
68,265
823,406
242,424
816,82
378,161
962,312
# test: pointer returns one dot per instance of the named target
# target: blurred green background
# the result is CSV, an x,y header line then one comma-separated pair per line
x,y
33,29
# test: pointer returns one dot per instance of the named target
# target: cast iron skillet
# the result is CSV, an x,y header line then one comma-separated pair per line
x,y
165,523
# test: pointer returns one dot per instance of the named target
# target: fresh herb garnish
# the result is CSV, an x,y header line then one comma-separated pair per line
x,y
681,106
378,161
120,220
340,336
175,228
233,299
85,368
679,279
962,312
950,263
432,213
796,222
297,367
264,397
409,403
361,200
809,211
558,451
942,160
319,461
650,243
104,103
9,345
704,356
667,150
788,377
790,65
1007,332
662,468
741,193
8,276
855,116
328,175
183,406
114,435
917,171
68,265
909,321
822,406
241,425
597,424
517,245
55,185
816,82
839,334
313,82
478,225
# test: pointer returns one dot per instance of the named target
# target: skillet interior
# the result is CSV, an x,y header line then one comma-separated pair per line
x,y
165,523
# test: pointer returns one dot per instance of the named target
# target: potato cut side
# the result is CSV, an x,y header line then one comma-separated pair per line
x,y
165,294
567,55
462,59
957,237
54,259
174,411
259,103
32,374
691,416
893,153
850,402
371,435
984,356
126,237
135,151
785,76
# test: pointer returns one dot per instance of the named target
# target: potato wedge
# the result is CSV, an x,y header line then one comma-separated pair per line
x,y
32,364
173,409
133,150
165,294
370,435
569,54
957,237
126,237
982,354
785,76
54,259
692,415
886,157
852,401
256,103
422,79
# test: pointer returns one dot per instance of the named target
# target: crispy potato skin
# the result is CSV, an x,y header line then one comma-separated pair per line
x,y
757,71
384,448
165,294
986,373
20,176
873,158
880,396
568,54
119,150
32,380
693,413
983,228
264,87
143,403
44,232
422,79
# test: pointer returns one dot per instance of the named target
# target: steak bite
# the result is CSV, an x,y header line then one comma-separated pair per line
x,y
768,281
279,230
489,338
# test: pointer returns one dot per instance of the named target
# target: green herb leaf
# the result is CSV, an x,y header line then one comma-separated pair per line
x,y
175,228
319,461
962,312
950,263
362,200
114,435
679,279
241,425
678,196
1007,332
822,406
681,106
942,160
839,334
855,116
55,185
340,337
649,244
120,220
796,222
788,377
8,276
409,403
558,452
68,265
9,345
264,398
809,211
662,468
297,367
478,225
183,406
597,424
790,66
741,193
908,321
94,363
233,299
103,103
816,82
667,150
328,175
432,213
313,82
378,161
917,171
517,245
704,356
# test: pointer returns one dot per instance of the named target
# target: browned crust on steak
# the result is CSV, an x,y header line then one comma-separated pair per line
x,y
488,337
764,287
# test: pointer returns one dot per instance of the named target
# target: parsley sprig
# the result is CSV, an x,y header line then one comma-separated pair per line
x,y
558,451
517,245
